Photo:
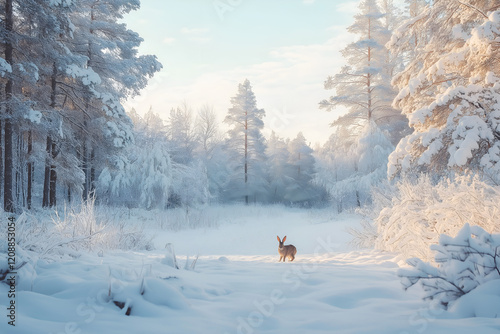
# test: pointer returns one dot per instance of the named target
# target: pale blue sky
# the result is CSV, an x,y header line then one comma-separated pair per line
x,y
286,48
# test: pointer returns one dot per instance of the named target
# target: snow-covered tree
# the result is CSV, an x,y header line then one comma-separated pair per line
x,y
301,167
336,162
247,145
278,168
359,149
363,85
450,90
65,69
390,120
207,129
113,71
349,169
211,152
143,175
33,34
413,9
181,134
154,172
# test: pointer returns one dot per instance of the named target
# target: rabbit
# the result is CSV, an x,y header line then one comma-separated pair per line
x,y
286,251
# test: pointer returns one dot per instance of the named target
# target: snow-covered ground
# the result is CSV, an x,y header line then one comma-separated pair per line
x,y
236,285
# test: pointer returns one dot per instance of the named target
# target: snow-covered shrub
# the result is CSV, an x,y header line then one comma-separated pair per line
x,y
349,167
182,218
420,211
365,235
86,228
466,261
76,229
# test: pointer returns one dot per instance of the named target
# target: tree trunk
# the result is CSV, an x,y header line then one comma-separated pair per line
x,y
8,199
31,170
1,154
46,180
368,81
20,186
246,157
53,176
50,176
85,168
92,171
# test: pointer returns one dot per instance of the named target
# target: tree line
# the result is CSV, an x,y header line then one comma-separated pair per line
x,y
188,160
420,87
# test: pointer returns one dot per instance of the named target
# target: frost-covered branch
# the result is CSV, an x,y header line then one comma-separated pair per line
x,y
474,8
465,262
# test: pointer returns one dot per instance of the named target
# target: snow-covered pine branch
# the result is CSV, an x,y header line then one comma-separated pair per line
x,y
465,261
449,89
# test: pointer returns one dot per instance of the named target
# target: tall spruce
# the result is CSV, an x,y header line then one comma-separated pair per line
x,y
246,143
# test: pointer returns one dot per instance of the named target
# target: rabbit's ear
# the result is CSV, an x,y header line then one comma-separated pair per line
x,y
278,238
284,238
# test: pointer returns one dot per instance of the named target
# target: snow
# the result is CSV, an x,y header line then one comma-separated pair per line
x,y
478,302
4,67
33,116
237,285
63,3
87,75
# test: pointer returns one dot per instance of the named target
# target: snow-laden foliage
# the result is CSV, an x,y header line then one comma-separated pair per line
x,y
349,167
147,176
300,189
77,229
143,179
290,171
66,67
143,176
420,211
363,84
450,89
4,67
466,261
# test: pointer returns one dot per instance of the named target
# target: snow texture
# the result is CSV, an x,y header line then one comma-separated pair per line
x,y
236,286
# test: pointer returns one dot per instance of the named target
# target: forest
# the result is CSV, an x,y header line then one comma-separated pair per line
x,y
419,84
416,154
67,68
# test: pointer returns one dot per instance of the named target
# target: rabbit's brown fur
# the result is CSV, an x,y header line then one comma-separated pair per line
x,y
287,251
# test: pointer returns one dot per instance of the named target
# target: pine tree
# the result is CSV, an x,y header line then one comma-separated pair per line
x,y
362,85
246,143
279,169
53,92
31,41
142,176
450,89
336,168
113,71
301,161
